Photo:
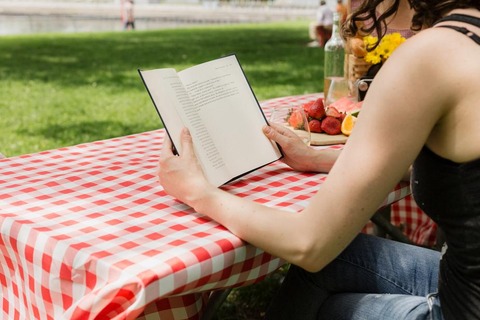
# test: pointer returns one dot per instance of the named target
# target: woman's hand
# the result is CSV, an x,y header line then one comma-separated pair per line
x,y
297,154
181,176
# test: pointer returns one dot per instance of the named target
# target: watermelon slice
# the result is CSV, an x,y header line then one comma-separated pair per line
x,y
347,105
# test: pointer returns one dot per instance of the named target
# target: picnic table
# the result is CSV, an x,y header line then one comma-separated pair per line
x,y
87,232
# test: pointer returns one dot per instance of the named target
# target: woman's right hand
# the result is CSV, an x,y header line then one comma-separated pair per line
x,y
182,176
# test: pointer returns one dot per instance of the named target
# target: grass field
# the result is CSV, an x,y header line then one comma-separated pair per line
x,y
64,89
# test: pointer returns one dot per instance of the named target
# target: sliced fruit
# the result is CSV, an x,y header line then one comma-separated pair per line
x,y
295,120
347,105
356,113
348,123
333,112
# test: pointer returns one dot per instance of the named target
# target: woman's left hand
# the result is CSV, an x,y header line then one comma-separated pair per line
x,y
296,153
181,176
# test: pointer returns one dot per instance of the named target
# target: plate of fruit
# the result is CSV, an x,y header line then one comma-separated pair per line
x,y
328,125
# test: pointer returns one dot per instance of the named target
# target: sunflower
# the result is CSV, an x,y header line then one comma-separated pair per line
x,y
384,49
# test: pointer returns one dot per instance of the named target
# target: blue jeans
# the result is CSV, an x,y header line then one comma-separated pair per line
x,y
374,278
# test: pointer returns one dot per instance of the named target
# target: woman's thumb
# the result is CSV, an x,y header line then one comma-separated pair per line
x,y
186,141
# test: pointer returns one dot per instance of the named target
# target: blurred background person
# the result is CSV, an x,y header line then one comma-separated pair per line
x,y
128,15
321,28
342,11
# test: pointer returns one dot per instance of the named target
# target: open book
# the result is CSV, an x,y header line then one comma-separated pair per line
x,y
216,103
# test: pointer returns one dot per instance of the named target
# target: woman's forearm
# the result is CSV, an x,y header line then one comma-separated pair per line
x,y
322,160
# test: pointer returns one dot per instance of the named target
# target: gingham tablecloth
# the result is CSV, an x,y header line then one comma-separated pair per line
x,y
88,233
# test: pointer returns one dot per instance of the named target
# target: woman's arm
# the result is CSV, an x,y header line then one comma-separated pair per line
x,y
396,119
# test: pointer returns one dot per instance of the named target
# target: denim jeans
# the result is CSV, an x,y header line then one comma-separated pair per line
x,y
373,278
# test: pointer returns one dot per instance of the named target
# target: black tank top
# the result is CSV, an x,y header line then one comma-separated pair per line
x,y
449,193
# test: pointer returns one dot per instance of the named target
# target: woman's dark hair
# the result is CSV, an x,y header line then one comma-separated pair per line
x,y
365,19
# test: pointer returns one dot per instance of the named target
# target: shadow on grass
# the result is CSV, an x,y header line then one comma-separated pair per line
x,y
111,59
252,302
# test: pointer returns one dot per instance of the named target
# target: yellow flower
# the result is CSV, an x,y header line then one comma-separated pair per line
x,y
384,49
370,41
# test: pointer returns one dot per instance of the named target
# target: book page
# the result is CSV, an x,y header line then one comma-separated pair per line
x,y
177,111
168,95
230,113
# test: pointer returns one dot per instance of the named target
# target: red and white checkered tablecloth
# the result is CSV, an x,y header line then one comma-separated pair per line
x,y
88,233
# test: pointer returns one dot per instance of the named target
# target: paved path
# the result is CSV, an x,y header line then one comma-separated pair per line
x,y
148,16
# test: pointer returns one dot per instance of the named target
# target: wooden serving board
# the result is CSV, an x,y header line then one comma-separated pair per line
x,y
323,139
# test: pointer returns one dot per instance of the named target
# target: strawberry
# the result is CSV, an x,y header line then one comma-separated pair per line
x,y
333,112
295,120
331,125
315,126
317,109
306,106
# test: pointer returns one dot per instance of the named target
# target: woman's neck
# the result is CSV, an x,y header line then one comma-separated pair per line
x,y
402,19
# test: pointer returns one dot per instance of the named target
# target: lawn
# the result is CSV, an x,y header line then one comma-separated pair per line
x,y
64,89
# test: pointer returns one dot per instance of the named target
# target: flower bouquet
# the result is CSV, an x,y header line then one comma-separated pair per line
x,y
364,61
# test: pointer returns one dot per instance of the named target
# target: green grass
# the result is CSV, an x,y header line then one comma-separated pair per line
x,y
64,89
251,303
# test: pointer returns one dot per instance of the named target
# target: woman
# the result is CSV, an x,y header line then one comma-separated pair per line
x,y
423,107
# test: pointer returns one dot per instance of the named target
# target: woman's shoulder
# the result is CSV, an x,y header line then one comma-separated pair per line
x,y
436,48
424,63
430,39
440,40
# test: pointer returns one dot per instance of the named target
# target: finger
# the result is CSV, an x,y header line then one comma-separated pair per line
x,y
277,133
283,130
167,150
187,144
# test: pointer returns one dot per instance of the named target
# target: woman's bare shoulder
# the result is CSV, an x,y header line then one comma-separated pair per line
x,y
426,44
437,55
438,44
